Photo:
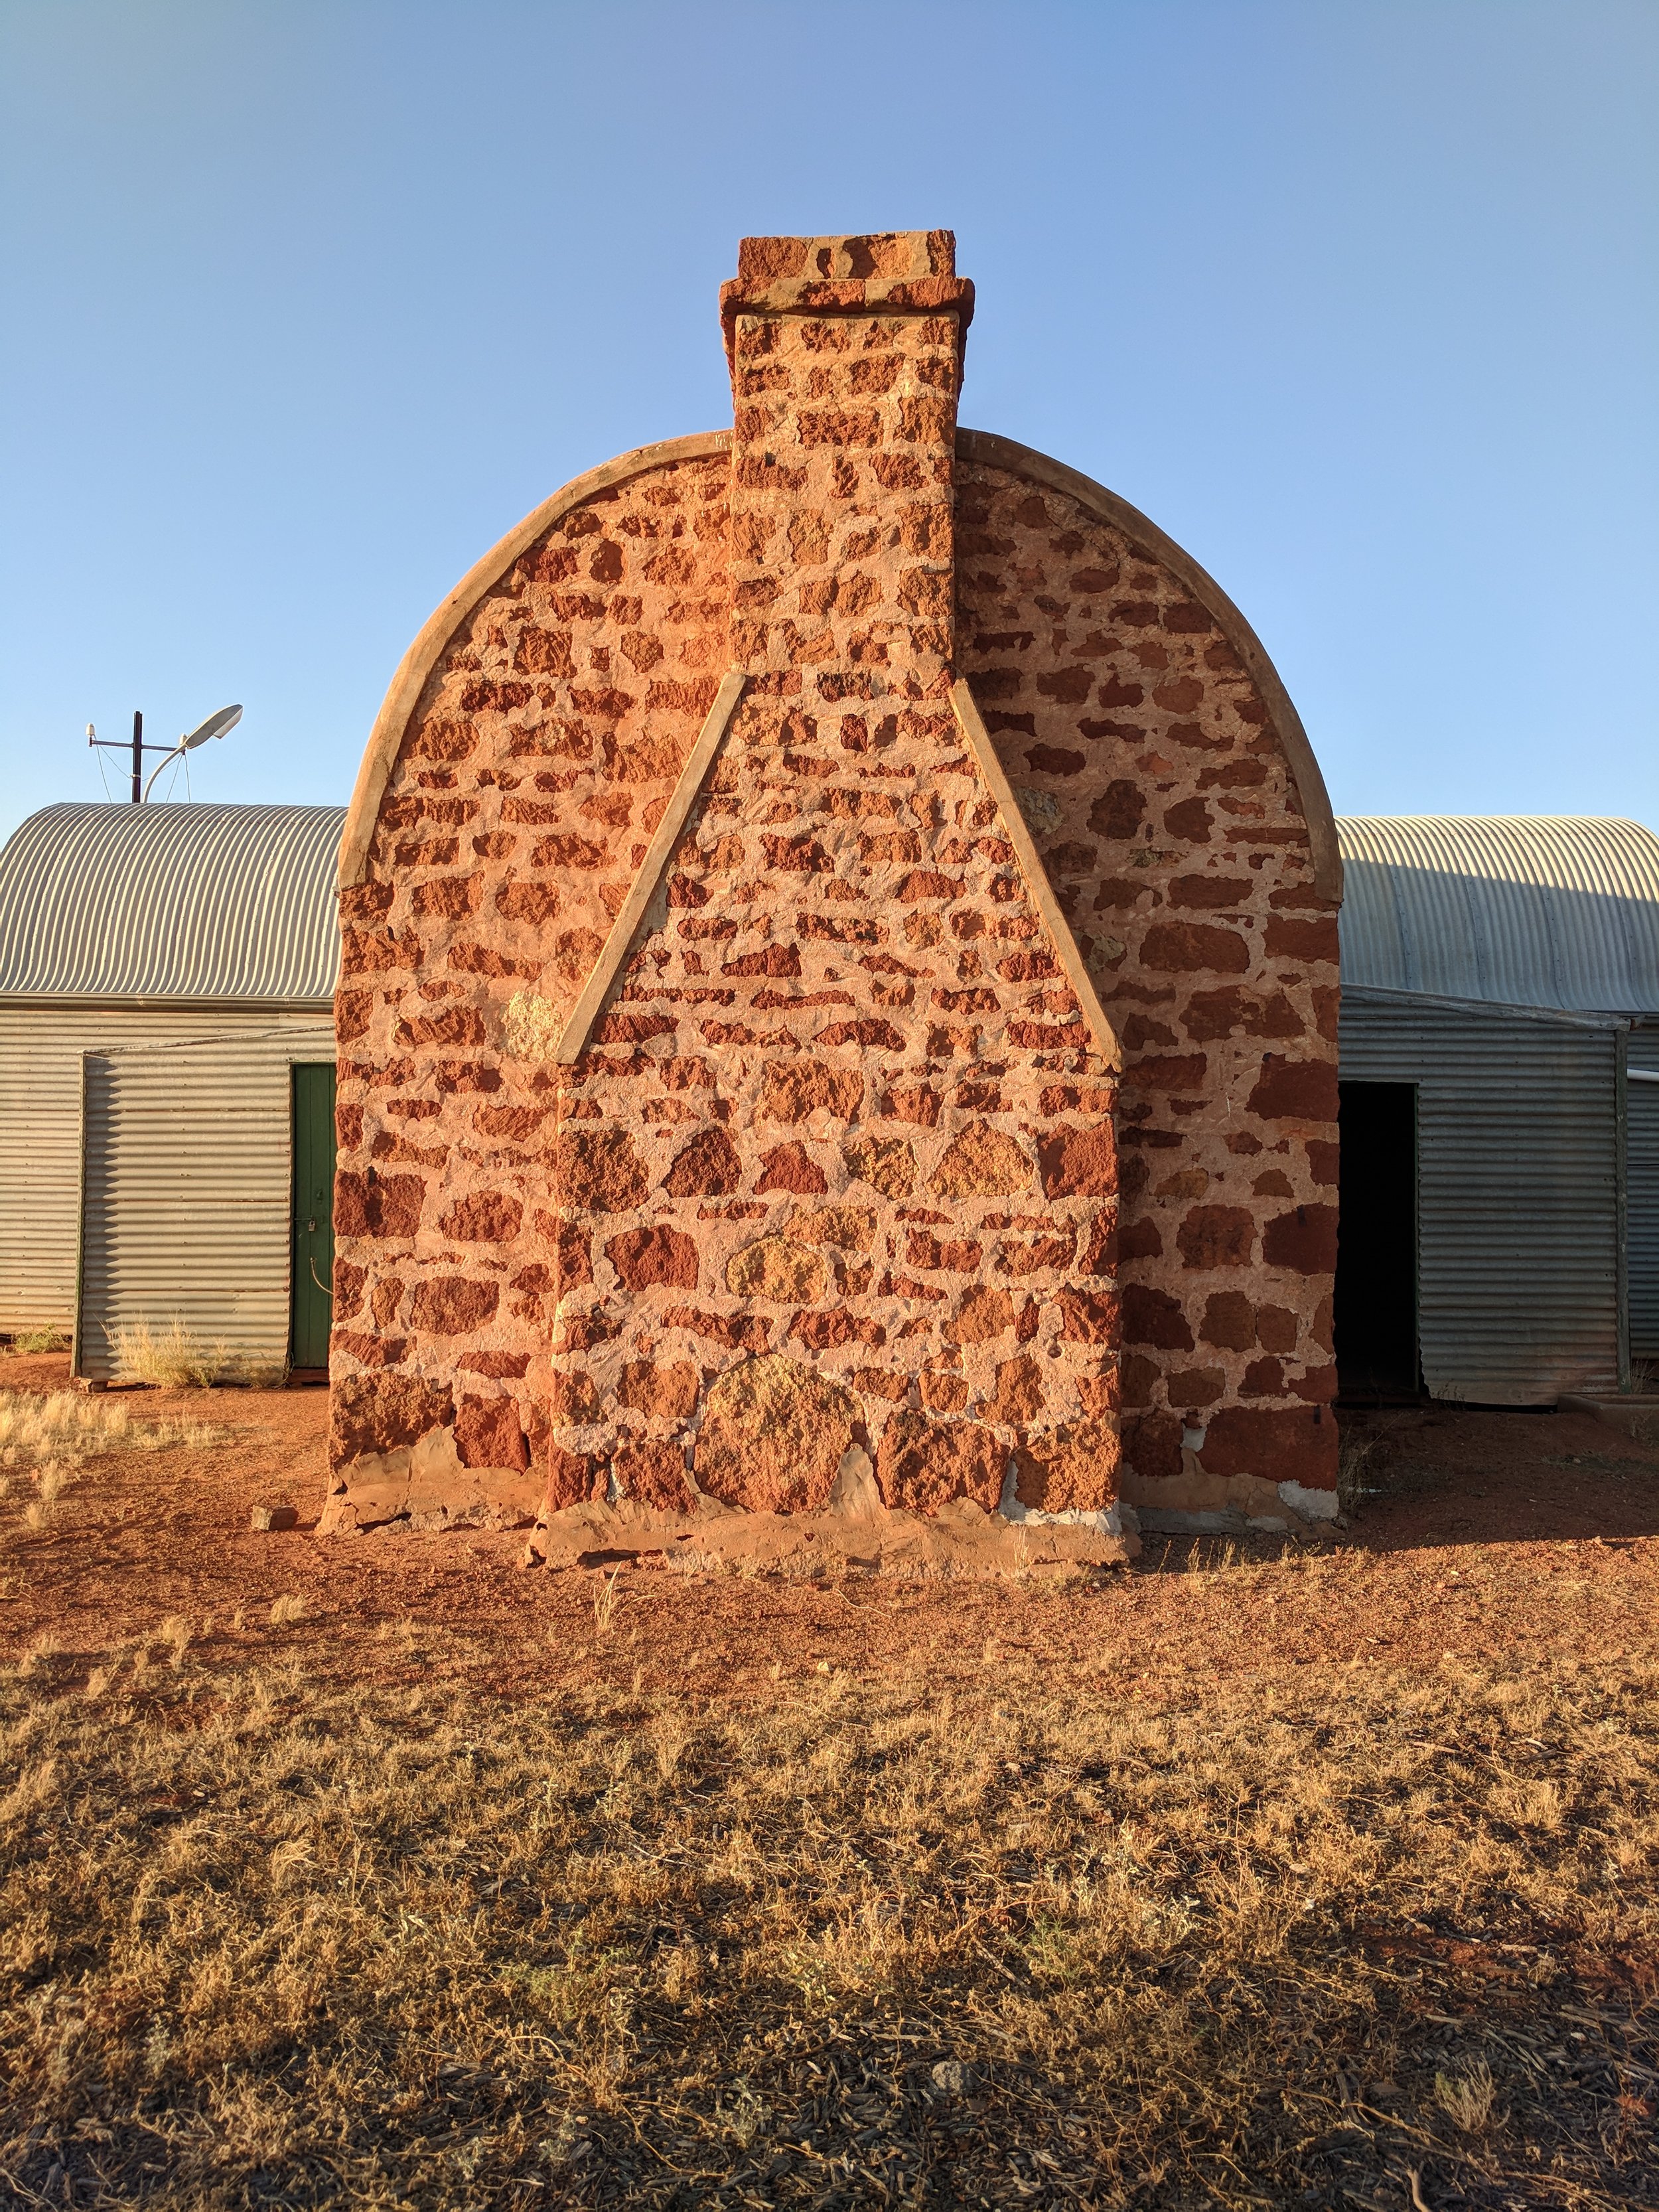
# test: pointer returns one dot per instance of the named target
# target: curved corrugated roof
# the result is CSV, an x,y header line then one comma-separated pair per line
x,y
1520,910
172,901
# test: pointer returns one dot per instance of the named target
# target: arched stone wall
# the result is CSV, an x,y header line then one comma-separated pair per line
x,y
836,1171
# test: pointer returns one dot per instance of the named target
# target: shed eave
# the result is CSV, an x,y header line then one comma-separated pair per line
x,y
1383,994
103,1002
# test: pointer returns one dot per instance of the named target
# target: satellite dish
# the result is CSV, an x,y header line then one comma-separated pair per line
x,y
215,727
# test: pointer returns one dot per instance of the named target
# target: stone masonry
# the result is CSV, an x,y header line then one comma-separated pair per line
x,y
841,1182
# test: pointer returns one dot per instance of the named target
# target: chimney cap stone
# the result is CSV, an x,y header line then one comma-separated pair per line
x,y
885,257
892,272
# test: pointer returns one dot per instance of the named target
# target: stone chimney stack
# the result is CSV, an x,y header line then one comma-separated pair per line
x,y
846,357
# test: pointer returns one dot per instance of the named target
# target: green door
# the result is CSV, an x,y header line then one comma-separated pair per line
x,y
313,1212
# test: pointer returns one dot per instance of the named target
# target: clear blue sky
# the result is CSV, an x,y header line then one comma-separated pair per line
x,y
308,303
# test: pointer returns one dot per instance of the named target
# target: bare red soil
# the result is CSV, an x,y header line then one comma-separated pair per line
x,y
1483,1532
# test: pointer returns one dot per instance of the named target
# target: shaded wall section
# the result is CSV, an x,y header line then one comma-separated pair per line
x,y
1147,762
1518,1193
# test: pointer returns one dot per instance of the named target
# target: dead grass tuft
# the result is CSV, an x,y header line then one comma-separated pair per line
x,y
41,1340
1269,1940
51,1481
605,1602
1466,2097
173,1359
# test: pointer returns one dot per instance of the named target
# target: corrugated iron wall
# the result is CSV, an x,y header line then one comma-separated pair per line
x,y
41,1049
187,1193
1642,1189
1517,1191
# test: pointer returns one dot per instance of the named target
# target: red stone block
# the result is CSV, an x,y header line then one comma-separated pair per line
x,y
653,1474
787,1167
736,1332
643,1257
1078,1162
1189,947
488,1433
1055,760
1089,1317
924,1463
1288,938
708,1167
451,1305
1153,1317
1228,1322
1216,1237
373,1205
485,1216
1295,1445
379,1413
1304,1241
1295,1090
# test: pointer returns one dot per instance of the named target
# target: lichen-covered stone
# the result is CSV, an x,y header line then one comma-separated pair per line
x,y
888,1164
852,1228
776,1269
982,1163
774,1434
795,1091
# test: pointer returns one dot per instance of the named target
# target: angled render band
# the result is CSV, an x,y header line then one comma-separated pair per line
x,y
1036,876
665,837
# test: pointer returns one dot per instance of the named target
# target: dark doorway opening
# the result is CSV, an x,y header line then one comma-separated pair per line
x,y
1376,1316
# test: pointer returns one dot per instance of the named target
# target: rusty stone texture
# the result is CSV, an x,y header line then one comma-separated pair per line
x,y
838,1131
542,753
1157,792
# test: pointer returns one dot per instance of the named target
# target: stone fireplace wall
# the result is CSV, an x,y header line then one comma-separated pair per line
x,y
837,1172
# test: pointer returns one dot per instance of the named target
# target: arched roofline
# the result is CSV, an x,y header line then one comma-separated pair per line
x,y
1025,461
404,695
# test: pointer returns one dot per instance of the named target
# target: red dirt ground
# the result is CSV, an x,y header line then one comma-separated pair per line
x,y
1485,1532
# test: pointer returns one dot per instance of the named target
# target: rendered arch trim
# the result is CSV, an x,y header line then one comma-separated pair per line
x,y
983,446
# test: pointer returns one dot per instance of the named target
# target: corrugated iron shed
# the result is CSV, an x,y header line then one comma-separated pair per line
x,y
1502,967
1641,1194
181,905
1559,911
125,925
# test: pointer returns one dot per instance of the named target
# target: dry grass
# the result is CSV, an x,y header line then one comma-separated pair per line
x,y
173,1359
41,1340
47,1439
51,1481
73,1428
1321,1938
